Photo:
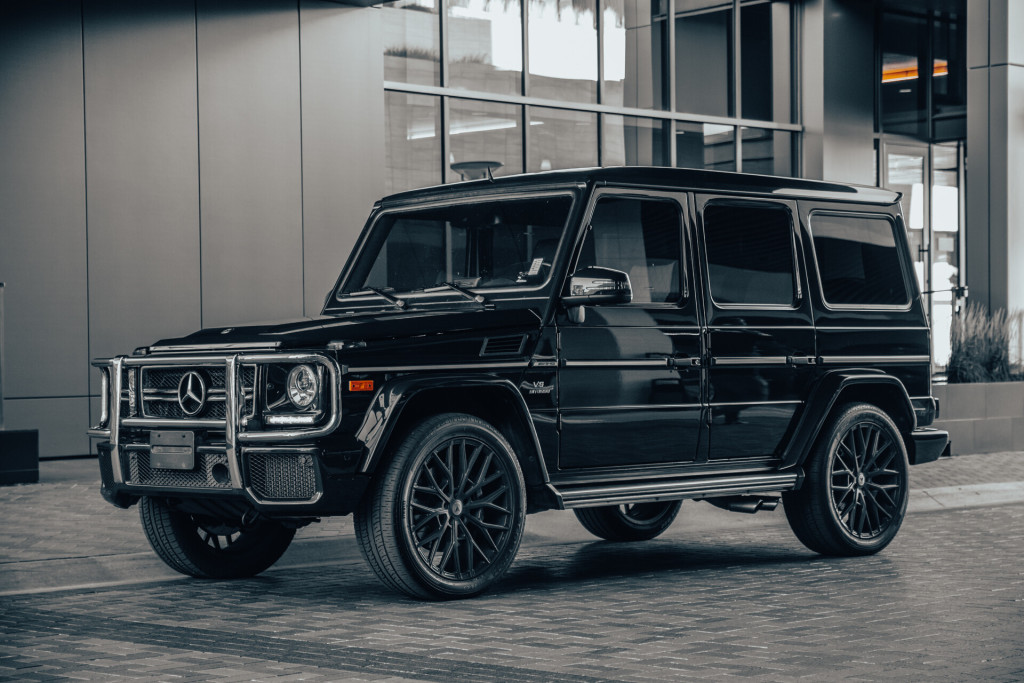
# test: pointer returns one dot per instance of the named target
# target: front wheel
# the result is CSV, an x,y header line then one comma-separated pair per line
x,y
444,519
633,522
854,497
208,548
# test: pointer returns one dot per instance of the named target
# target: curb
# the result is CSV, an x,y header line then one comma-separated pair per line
x,y
964,497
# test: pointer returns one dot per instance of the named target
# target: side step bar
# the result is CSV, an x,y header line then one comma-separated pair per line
x,y
590,495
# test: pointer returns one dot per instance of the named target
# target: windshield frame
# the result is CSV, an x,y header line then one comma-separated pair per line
x,y
338,300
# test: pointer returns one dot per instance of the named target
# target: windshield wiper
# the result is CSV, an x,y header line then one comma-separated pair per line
x,y
392,299
465,291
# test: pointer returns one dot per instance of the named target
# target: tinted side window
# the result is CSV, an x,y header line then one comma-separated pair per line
x,y
858,260
750,254
640,237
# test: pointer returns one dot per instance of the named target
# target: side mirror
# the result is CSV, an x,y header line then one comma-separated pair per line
x,y
596,285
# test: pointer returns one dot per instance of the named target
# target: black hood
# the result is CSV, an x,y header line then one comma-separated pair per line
x,y
312,333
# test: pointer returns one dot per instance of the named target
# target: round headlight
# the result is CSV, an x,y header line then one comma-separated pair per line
x,y
303,386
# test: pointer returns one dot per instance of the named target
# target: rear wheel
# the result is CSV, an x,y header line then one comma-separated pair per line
x,y
208,548
633,522
854,497
445,518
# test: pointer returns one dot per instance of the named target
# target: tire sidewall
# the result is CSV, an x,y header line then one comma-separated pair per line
x,y
442,429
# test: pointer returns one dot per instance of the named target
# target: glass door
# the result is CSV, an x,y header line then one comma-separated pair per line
x,y
931,180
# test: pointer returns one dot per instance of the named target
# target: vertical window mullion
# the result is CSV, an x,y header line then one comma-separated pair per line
x,y
599,21
445,139
524,111
737,94
668,57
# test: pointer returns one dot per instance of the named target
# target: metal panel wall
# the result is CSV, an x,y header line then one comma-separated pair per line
x,y
143,171
42,200
42,223
250,160
342,135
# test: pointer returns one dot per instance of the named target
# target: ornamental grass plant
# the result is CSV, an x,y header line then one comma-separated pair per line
x,y
985,346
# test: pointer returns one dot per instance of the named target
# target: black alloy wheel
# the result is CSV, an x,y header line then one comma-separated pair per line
x,y
855,495
630,522
209,548
445,519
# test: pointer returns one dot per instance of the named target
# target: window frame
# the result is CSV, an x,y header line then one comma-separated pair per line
x,y
798,291
681,202
896,224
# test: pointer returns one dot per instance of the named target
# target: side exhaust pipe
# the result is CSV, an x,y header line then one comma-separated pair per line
x,y
747,504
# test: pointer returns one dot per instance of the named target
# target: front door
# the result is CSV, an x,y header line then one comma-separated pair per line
x,y
630,379
760,330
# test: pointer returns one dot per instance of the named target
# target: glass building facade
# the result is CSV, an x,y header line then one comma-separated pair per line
x,y
534,85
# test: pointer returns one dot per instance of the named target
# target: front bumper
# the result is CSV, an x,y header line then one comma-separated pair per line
x,y
230,456
288,483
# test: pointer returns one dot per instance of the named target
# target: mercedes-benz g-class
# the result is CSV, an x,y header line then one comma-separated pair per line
x,y
611,341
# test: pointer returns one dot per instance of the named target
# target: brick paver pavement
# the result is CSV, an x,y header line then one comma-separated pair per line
x,y
944,602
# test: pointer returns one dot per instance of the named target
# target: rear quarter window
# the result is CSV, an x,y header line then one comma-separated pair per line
x,y
858,260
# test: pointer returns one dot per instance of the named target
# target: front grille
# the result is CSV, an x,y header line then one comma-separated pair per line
x,y
160,392
282,476
140,472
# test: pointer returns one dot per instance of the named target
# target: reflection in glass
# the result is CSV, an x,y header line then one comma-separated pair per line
x,y
949,79
704,57
903,94
633,141
635,36
486,131
705,145
560,138
563,49
412,49
485,50
767,151
765,34
945,245
413,149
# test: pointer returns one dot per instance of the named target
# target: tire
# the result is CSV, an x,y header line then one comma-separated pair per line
x,y
207,548
854,497
444,518
636,522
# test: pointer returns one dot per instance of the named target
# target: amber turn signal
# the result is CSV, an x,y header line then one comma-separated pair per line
x,y
360,385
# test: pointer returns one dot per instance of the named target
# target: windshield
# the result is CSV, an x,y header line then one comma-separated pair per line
x,y
491,243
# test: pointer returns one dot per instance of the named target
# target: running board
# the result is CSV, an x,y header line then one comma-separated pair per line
x,y
589,495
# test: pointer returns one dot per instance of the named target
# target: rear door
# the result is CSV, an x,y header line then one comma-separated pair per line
x,y
760,329
630,380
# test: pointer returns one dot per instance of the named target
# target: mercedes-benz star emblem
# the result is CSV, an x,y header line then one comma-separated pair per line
x,y
192,393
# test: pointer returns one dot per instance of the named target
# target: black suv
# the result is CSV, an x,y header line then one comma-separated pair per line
x,y
611,341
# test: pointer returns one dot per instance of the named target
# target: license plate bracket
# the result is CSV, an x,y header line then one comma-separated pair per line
x,y
172,450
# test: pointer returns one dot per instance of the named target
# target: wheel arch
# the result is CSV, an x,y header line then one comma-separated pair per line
x,y
404,401
840,387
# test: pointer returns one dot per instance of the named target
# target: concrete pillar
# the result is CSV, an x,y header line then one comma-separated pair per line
x,y
995,152
837,90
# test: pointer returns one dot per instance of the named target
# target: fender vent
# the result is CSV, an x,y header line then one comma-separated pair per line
x,y
503,346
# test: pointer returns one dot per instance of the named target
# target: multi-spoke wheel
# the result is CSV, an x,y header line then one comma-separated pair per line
x,y
854,497
209,548
633,522
445,518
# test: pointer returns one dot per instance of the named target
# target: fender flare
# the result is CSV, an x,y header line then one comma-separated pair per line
x,y
389,403
822,399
